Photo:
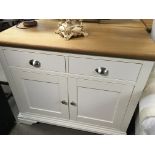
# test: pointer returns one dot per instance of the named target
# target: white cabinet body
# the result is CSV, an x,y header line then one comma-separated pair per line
x,y
65,89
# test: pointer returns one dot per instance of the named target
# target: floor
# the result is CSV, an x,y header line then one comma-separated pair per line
x,y
45,129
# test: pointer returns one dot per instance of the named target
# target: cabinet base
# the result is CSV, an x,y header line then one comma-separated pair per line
x,y
27,121
29,118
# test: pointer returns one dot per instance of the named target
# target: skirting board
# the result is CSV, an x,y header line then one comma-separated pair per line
x,y
29,118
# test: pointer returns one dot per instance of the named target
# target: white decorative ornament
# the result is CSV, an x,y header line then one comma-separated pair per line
x,y
71,28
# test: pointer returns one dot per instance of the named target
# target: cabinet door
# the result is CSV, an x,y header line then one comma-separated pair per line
x,y
99,103
41,93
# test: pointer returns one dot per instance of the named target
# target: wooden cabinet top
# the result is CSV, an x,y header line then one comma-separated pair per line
x,y
120,38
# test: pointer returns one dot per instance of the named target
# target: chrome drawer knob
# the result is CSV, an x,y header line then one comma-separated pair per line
x,y
102,71
64,102
35,63
73,103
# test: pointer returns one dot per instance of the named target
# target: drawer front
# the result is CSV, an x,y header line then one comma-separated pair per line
x,y
104,68
43,61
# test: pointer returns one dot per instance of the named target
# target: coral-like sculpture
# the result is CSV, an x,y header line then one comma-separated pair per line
x,y
71,28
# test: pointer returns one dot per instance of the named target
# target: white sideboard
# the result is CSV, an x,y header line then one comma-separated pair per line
x,y
92,93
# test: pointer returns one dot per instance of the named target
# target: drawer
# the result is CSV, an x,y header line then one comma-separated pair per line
x,y
104,68
43,61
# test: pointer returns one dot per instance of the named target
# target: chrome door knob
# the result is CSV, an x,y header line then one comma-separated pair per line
x,y
64,102
35,63
73,103
102,71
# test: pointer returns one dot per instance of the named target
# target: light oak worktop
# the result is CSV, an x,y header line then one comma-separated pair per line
x,y
122,38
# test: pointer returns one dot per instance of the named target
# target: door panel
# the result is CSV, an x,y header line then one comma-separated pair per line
x,y
100,103
41,93
42,102
100,110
